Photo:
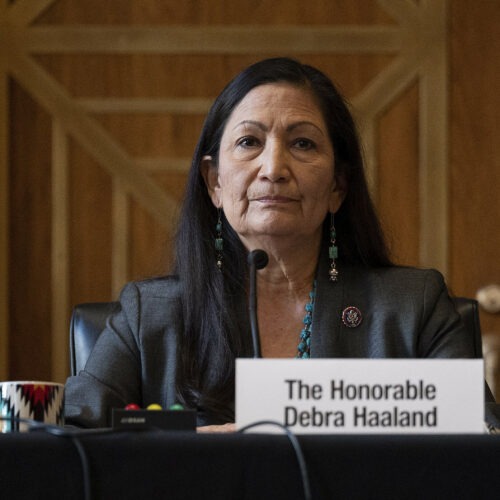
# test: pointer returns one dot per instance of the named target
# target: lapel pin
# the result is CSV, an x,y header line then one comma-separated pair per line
x,y
351,317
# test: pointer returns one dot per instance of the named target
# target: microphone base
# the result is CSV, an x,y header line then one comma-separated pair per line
x,y
169,420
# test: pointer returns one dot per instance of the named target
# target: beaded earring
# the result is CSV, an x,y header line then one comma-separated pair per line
x,y
333,251
219,242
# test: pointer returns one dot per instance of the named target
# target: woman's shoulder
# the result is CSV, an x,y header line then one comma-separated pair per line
x,y
163,287
399,279
407,273
153,300
160,287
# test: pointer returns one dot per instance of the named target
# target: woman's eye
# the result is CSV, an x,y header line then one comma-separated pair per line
x,y
304,144
248,142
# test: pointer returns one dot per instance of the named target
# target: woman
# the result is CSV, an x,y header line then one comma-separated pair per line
x,y
277,167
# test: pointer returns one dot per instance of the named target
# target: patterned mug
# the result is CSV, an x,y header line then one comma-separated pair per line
x,y
40,401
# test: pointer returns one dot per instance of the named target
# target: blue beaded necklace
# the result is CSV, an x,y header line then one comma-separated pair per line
x,y
304,347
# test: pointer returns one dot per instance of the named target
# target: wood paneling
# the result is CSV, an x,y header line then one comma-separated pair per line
x,y
4,202
126,84
190,75
270,12
29,239
398,178
90,228
475,149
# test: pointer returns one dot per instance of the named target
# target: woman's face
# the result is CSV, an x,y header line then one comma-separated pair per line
x,y
275,175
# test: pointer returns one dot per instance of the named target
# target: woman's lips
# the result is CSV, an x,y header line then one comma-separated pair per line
x,y
274,199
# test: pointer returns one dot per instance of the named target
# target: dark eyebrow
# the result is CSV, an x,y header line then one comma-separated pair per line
x,y
253,122
299,124
290,127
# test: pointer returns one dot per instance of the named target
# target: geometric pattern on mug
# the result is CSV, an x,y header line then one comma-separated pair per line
x,y
33,401
40,401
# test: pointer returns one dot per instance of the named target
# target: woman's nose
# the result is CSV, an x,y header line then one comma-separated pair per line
x,y
275,163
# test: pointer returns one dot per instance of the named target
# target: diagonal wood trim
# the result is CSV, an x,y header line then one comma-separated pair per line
x,y
214,39
90,135
405,12
386,87
186,105
24,12
60,254
368,134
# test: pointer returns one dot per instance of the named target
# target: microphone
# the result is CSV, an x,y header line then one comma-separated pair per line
x,y
257,259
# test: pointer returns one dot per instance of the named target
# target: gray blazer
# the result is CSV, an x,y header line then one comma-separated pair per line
x,y
406,313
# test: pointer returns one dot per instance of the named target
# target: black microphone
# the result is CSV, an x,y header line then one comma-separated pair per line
x,y
257,259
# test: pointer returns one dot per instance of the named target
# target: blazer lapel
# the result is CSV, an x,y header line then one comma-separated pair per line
x,y
327,315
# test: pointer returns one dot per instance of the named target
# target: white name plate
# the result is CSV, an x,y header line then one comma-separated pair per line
x,y
360,396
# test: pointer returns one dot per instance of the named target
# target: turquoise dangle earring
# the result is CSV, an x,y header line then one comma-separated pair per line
x,y
333,251
219,242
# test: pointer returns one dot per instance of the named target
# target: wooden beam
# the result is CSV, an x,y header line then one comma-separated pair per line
x,y
214,39
368,132
24,12
386,87
180,105
90,135
433,153
405,12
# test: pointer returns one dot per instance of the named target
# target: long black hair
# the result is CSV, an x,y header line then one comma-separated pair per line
x,y
215,320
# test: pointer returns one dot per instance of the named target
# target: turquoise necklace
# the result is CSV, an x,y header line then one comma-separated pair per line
x,y
304,347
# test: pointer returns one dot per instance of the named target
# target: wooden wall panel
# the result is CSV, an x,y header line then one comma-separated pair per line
x,y
190,75
154,135
217,12
128,104
4,204
398,178
90,229
29,239
475,149
151,247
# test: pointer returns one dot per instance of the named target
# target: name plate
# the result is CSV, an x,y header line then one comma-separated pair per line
x,y
360,396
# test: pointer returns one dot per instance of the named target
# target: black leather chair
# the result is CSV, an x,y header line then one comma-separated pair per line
x,y
88,320
469,311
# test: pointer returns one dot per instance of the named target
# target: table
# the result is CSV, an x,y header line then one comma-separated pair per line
x,y
182,465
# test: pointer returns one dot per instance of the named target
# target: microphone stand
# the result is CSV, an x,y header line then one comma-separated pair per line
x,y
257,259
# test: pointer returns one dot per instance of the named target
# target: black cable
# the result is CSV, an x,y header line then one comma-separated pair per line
x,y
73,435
297,448
87,485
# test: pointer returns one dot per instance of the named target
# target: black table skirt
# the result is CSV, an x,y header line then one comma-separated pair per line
x,y
154,464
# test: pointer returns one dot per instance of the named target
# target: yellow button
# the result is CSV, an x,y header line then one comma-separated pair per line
x,y
154,406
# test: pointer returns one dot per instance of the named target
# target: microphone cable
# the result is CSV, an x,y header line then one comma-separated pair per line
x,y
296,447
73,435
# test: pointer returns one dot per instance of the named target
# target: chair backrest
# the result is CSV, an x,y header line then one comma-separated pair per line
x,y
469,311
89,319
87,322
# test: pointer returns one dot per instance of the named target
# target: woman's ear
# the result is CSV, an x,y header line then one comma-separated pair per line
x,y
338,193
210,174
